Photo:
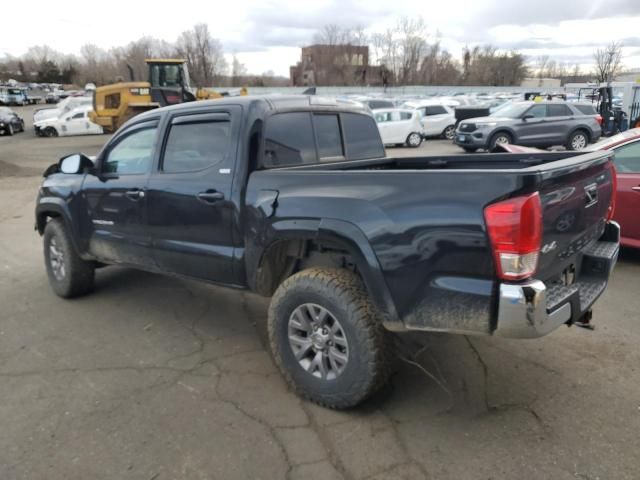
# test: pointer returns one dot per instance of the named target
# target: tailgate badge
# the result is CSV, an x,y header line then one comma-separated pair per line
x,y
549,247
591,194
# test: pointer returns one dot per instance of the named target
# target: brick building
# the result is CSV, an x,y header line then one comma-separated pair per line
x,y
335,65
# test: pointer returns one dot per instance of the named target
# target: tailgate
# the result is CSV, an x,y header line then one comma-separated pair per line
x,y
576,195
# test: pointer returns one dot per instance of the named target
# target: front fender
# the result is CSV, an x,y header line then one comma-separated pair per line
x,y
57,208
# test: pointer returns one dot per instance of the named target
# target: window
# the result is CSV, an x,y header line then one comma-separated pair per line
x,y
627,158
196,146
558,110
362,138
587,109
383,117
328,136
78,115
132,154
538,111
405,115
435,110
289,140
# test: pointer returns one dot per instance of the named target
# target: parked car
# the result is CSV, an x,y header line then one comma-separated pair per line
x,y
10,122
51,97
626,146
296,200
438,120
16,96
61,108
73,122
539,124
399,127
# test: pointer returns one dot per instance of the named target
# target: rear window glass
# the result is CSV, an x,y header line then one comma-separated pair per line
x,y
435,110
289,140
587,109
405,116
362,138
558,111
196,146
328,136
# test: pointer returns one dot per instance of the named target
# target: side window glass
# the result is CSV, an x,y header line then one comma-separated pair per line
x,y
289,140
196,146
132,154
405,116
627,159
558,111
538,111
362,138
328,136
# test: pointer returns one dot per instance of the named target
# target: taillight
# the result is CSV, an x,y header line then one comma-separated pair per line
x,y
614,193
599,119
515,231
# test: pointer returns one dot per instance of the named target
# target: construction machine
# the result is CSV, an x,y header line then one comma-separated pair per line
x,y
168,84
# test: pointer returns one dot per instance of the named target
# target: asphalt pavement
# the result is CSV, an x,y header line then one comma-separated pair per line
x,y
157,378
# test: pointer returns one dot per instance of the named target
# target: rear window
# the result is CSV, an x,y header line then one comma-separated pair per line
x,y
328,136
435,110
587,109
362,138
289,140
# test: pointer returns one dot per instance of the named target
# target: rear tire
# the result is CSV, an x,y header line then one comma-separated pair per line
x,y
413,140
69,275
470,149
578,140
10,130
327,338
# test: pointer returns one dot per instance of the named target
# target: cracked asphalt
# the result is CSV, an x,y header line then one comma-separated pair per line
x,y
157,378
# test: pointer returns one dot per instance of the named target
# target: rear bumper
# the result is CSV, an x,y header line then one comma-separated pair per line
x,y
533,309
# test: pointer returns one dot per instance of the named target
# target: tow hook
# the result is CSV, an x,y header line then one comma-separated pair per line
x,y
585,321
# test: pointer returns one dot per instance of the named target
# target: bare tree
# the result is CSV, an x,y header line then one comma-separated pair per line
x,y
541,65
608,61
203,53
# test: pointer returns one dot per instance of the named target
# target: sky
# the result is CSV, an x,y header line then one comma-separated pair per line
x,y
267,34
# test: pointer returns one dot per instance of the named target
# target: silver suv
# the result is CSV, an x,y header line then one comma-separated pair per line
x,y
535,124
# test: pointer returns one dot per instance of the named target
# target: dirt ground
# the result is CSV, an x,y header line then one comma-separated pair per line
x,y
156,378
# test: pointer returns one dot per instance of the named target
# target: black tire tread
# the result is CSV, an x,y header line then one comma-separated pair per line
x,y
349,289
80,273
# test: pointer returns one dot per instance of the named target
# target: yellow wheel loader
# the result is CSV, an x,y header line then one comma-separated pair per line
x,y
168,84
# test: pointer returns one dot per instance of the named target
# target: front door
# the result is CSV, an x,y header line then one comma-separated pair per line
x,y
74,124
116,199
627,212
191,212
532,131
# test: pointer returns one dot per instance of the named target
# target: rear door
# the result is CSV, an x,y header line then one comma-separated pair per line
x,y
627,212
558,122
190,209
435,119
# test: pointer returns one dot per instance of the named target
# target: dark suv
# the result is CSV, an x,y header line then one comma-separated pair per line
x,y
542,124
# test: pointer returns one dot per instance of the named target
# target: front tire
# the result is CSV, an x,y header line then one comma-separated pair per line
x,y
10,130
449,133
69,275
414,140
327,338
500,138
50,132
470,149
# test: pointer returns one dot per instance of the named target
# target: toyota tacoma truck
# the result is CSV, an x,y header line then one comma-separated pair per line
x,y
293,197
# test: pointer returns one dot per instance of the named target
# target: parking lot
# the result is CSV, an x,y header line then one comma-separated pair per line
x,y
157,378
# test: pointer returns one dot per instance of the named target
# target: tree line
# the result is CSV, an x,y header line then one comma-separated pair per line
x,y
406,54
203,53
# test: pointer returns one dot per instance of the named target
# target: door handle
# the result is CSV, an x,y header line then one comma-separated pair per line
x,y
210,196
135,194
636,189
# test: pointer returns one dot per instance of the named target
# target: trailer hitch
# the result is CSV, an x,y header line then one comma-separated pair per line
x,y
585,321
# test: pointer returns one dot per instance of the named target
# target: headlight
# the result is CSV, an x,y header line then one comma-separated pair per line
x,y
486,124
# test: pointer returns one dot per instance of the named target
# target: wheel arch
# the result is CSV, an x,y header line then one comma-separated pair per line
x,y
50,208
296,245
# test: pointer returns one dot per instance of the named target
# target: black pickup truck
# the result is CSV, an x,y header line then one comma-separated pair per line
x,y
293,197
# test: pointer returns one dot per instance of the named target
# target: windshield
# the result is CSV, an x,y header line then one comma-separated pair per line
x,y
166,75
514,110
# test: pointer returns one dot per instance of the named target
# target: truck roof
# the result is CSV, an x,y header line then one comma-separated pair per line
x,y
269,103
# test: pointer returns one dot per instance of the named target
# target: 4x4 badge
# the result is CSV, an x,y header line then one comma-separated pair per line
x,y
549,246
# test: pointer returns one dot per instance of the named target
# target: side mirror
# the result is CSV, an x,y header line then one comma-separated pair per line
x,y
74,163
528,116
